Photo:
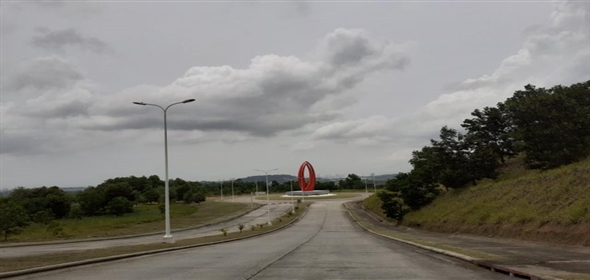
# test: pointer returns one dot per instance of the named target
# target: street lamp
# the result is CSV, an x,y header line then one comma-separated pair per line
x,y
292,204
232,189
374,185
267,197
168,238
256,193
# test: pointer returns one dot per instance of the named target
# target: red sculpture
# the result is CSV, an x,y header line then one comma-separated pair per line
x,y
310,185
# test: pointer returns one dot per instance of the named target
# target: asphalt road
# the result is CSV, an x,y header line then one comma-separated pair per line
x,y
325,244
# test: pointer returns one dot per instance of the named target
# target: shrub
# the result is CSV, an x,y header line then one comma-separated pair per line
x,y
119,206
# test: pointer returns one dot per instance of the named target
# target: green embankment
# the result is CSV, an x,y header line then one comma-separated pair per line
x,y
550,206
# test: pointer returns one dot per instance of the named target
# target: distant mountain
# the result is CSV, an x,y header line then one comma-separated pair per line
x,y
281,178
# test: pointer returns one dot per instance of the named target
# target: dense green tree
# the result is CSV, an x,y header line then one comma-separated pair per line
x,y
489,131
119,205
415,192
551,126
392,204
453,159
92,201
53,200
13,217
76,211
352,182
153,194
118,189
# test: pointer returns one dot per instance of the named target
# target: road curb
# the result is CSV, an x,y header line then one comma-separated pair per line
x,y
475,261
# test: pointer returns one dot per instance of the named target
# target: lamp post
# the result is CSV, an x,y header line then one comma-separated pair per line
x,y
168,238
232,189
256,193
292,204
267,195
374,185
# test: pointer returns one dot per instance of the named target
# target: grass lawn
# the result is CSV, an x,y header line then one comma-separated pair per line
x,y
145,219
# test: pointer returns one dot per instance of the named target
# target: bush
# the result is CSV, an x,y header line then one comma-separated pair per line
x,y
76,211
393,204
119,206
43,217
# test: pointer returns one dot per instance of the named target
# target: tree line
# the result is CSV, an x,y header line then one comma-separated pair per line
x,y
116,197
548,127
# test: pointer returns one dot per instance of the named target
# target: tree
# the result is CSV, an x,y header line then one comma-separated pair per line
x,y
91,201
490,131
392,204
13,217
454,155
119,206
153,194
414,192
551,126
76,211
54,201
188,197
352,181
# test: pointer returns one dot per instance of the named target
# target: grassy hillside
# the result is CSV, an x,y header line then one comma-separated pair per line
x,y
551,206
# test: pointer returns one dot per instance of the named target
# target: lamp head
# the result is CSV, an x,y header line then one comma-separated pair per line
x,y
188,100
139,103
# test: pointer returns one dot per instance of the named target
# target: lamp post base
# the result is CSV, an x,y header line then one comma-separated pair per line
x,y
169,239
269,223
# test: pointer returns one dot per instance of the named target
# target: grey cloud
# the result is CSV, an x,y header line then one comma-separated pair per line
x,y
352,48
273,95
60,39
44,73
20,144
347,47
303,7
64,109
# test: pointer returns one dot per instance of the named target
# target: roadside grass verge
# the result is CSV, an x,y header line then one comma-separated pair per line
x,y
146,219
560,196
14,264
551,206
373,204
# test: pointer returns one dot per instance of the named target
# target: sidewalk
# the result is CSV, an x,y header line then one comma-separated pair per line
x,y
515,257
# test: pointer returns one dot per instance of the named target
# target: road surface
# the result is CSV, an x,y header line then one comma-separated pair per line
x,y
325,244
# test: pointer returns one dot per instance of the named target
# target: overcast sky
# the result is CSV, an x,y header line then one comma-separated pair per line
x,y
351,87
